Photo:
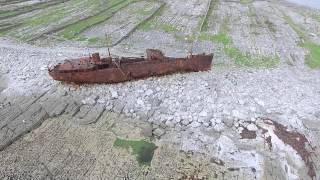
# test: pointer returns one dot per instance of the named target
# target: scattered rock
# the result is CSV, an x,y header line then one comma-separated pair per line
x,y
238,114
195,124
252,127
185,122
203,113
114,94
219,127
90,100
149,92
159,132
170,124
228,122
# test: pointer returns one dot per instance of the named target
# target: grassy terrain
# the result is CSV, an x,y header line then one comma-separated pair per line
x,y
4,14
168,28
74,31
213,6
71,32
143,150
313,57
28,8
62,15
240,58
152,23
246,1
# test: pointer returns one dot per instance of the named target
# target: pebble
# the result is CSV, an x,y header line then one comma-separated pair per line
x,y
203,113
185,122
170,124
252,127
195,124
89,101
149,92
219,127
114,94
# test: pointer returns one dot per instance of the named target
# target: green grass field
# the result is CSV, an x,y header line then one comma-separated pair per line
x,y
312,59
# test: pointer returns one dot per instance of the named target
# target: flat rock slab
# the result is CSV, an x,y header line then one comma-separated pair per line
x,y
92,115
55,107
25,122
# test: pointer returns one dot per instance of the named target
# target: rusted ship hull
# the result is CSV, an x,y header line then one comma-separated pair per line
x,y
135,68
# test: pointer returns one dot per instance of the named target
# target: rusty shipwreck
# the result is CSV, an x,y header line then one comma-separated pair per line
x,y
94,69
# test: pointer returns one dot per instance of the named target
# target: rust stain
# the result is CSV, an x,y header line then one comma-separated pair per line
x,y
297,141
94,69
247,134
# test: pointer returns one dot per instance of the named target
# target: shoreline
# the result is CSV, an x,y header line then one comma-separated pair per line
x,y
306,6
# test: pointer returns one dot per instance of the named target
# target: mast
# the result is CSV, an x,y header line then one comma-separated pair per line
x,y
189,50
108,45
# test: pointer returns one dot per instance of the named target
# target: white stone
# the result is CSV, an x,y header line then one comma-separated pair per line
x,y
253,109
170,124
89,101
259,102
158,132
252,127
225,112
140,102
169,118
226,145
195,124
43,68
114,94
219,127
149,92
268,110
238,114
206,124
101,101
240,129
218,121
236,124
109,107
185,122
203,113
312,34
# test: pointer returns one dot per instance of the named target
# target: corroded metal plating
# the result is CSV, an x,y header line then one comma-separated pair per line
x,y
94,69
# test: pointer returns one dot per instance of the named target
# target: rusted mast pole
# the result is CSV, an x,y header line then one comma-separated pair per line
x,y
189,50
108,45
